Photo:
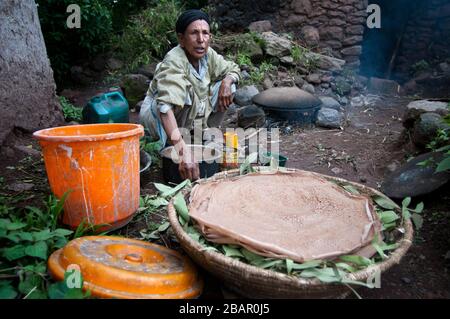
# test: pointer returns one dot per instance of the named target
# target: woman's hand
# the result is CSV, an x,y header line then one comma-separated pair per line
x,y
187,167
225,95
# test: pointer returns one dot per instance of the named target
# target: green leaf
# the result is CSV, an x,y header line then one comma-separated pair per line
x,y
444,165
63,232
167,191
157,202
443,149
247,165
289,264
419,208
15,226
327,275
307,265
163,227
384,202
30,282
406,202
356,260
25,236
346,267
388,217
42,235
39,249
378,249
163,188
15,252
267,263
417,220
7,292
351,189
251,257
180,205
232,252
193,233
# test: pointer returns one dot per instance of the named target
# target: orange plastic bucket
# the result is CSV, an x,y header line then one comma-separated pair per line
x,y
98,164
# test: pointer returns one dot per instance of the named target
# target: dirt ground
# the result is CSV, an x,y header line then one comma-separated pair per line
x,y
372,144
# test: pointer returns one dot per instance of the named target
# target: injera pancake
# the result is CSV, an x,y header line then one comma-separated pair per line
x,y
296,215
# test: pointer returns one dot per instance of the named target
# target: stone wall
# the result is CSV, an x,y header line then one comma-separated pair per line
x,y
426,37
334,26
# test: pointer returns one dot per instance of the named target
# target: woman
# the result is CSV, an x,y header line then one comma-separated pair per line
x,y
193,84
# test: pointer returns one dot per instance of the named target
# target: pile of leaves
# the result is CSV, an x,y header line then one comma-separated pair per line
x,y
334,271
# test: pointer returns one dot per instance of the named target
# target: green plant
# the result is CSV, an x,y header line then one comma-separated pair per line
x,y
420,66
304,57
70,112
64,45
243,59
149,34
27,238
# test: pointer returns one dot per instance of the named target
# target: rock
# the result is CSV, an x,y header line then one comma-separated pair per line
x,y
332,33
27,150
342,87
267,83
135,87
355,39
325,85
314,78
329,118
325,62
98,63
20,187
383,86
412,180
392,167
416,108
79,76
311,35
330,103
251,116
336,170
409,87
444,67
354,50
244,95
309,88
363,180
406,280
275,45
245,75
426,128
299,81
286,98
287,60
73,123
114,64
280,47
148,70
302,6
260,26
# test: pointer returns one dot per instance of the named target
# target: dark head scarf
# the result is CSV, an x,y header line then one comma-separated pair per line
x,y
189,16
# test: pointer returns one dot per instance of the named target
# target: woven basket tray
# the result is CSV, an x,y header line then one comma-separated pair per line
x,y
253,282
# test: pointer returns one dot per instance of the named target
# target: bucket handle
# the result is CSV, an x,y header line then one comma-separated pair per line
x,y
114,95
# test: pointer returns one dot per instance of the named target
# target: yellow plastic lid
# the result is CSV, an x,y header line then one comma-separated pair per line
x,y
116,267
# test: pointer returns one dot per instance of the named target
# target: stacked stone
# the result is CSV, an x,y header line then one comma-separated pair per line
x,y
426,35
336,26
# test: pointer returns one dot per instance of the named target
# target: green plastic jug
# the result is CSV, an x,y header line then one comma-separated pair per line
x,y
109,107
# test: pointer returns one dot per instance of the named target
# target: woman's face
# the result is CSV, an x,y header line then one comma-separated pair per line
x,y
195,40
